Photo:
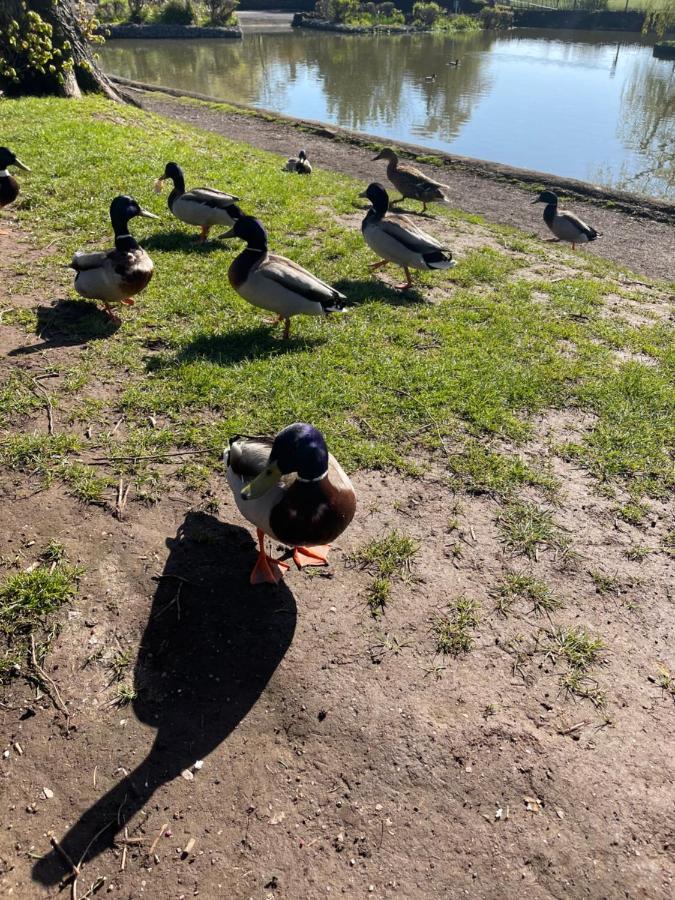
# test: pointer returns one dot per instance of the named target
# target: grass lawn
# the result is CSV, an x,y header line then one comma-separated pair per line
x,y
477,355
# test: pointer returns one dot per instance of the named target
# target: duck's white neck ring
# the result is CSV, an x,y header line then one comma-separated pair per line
x,y
4,173
310,480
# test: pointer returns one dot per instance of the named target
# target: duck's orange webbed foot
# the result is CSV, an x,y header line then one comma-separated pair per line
x,y
128,302
311,556
267,570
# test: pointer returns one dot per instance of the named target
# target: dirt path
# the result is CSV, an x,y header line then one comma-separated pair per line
x,y
638,243
341,755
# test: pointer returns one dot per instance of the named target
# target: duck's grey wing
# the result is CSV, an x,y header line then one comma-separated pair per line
x,y
248,456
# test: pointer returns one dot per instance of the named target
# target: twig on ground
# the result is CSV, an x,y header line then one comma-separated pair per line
x,y
103,460
41,392
47,682
156,840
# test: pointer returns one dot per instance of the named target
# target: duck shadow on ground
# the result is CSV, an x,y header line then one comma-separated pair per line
x,y
179,241
69,322
238,346
211,644
365,290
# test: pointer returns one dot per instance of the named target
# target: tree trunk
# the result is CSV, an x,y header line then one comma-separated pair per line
x,y
85,75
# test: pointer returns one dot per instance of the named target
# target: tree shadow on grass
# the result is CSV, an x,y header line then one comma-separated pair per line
x,y
68,323
368,290
211,645
238,346
182,242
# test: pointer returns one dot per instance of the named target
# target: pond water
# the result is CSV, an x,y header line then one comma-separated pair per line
x,y
589,105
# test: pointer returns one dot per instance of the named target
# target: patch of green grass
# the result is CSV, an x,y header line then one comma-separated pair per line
x,y
27,599
637,552
16,398
125,694
454,630
522,586
484,471
378,593
605,584
86,484
389,556
36,452
576,647
484,266
525,527
119,664
666,680
204,358
633,512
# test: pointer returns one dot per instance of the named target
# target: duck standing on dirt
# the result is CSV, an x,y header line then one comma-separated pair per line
x,y
396,239
273,282
9,186
205,207
115,276
300,164
412,183
294,491
565,225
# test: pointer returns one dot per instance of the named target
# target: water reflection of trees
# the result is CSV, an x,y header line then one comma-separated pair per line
x,y
366,81
648,125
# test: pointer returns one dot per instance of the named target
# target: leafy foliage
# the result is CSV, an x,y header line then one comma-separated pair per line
x,y
28,51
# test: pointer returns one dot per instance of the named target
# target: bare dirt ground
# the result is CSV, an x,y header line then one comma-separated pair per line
x,y
341,755
638,243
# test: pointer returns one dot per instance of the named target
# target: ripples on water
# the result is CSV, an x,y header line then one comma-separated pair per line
x,y
587,105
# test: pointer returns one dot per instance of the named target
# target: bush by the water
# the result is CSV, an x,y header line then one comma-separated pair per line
x,y
496,17
168,12
351,12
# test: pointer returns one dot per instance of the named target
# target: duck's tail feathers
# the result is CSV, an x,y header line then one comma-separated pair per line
x,y
439,259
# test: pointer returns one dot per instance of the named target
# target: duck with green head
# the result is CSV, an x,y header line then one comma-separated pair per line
x,y
115,276
396,239
565,225
273,282
9,186
294,491
204,207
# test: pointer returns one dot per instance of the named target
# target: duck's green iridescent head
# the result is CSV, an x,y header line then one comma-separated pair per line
x,y
301,449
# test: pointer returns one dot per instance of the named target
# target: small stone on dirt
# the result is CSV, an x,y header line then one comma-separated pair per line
x,y
47,793
187,775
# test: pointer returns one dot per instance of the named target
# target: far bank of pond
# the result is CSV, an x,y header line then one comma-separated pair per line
x,y
588,105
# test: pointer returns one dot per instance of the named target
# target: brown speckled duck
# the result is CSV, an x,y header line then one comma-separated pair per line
x,y
412,183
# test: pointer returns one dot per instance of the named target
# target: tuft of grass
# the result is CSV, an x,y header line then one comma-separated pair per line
x,y
483,471
54,552
390,556
576,647
119,664
525,527
637,552
522,586
454,629
666,680
583,686
126,694
27,599
36,452
633,512
605,584
377,596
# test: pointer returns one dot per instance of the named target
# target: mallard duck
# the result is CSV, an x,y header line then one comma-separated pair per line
x,y
431,77
205,207
293,490
454,63
299,164
276,283
396,239
411,182
117,275
9,186
565,225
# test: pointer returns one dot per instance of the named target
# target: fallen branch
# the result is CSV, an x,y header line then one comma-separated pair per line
x,y
102,460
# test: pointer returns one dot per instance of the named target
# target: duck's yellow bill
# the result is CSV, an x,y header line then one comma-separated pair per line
x,y
264,482
147,214
17,162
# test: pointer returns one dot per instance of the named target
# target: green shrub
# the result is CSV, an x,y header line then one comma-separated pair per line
x,y
177,12
112,10
496,17
426,14
221,12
